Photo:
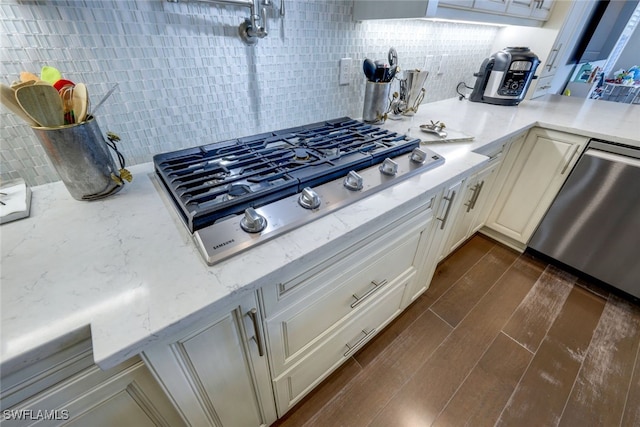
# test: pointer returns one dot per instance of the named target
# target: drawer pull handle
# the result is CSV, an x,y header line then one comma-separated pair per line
x,y
370,292
472,201
354,347
253,313
446,212
476,194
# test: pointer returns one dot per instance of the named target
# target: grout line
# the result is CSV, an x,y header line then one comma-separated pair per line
x,y
438,316
546,270
465,378
410,377
515,389
516,341
586,353
358,363
483,296
461,276
633,373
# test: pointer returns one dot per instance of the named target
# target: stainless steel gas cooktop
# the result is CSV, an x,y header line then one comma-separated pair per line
x,y
235,194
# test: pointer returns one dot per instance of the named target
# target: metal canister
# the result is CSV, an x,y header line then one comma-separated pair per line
x,y
82,159
376,102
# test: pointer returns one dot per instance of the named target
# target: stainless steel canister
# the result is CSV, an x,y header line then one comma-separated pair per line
x,y
82,159
412,90
376,102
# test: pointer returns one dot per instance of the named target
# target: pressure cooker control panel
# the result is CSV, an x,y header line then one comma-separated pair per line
x,y
515,79
513,84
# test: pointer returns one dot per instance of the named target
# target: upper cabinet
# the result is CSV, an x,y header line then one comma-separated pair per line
x,y
516,12
376,9
536,9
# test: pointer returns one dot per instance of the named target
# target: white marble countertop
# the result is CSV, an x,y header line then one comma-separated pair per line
x,y
127,268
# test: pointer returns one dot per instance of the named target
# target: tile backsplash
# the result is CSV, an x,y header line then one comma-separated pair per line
x,y
185,77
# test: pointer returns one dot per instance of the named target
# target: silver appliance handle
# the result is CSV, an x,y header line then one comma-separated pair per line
x,y
613,157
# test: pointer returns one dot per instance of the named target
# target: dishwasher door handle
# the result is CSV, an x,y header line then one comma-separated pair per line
x,y
612,157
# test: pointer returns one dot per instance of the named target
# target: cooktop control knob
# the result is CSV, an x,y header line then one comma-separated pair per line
x,y
389,167
309,199
353,181
253,222
418,156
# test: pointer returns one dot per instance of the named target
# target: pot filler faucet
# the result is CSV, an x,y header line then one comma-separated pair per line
x,y
254,27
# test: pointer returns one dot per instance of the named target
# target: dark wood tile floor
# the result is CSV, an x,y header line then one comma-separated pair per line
x,y
498,339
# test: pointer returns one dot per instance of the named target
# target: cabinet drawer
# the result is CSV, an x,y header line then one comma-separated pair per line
x,y
374,257
291,386
297,329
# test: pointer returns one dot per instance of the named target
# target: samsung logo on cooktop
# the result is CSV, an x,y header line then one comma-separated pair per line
x,y
219,245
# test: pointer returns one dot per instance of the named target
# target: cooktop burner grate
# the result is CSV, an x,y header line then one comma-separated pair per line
x,y
214,181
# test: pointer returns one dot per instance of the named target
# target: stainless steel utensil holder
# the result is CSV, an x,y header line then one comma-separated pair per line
x,y
376,102
82,159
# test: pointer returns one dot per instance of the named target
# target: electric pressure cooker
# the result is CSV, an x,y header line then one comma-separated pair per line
x,y
505,76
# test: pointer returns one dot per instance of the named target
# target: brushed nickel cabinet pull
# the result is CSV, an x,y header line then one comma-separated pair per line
x,y
354,347
253,313
472,201
553,52
370,292
449,200
476,194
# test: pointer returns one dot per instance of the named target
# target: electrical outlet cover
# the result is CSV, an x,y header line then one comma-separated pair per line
x,y
345,68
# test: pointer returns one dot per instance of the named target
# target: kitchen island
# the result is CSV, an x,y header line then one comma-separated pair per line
x,y
125,271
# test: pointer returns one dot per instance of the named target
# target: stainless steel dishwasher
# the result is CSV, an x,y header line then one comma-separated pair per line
x,y
593,225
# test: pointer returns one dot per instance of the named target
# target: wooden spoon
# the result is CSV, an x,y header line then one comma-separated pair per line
x,y
43,103
8,98
80,102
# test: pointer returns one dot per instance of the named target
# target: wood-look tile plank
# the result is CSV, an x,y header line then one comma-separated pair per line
x,y
600,391
428,391
454,305
540,307
542,393
358,402
320,396
452,268
631,416
481,397
593,287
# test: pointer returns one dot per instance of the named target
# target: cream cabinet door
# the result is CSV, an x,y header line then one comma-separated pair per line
x,y
450,202
471,215
375,9
538,9
99,398
217,372
541,164
491,5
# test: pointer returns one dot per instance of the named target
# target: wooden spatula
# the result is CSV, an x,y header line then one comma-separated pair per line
x,y
43,103
80,102
8,98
